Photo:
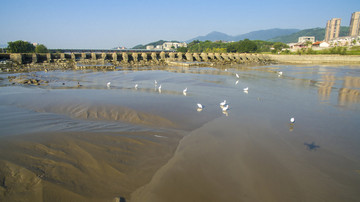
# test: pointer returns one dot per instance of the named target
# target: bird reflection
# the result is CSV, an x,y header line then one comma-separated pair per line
x,y
311,146
291,127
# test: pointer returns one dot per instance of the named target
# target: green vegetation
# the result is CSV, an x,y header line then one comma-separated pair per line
x,y
355,50
41,49
25,47
20,47
243,46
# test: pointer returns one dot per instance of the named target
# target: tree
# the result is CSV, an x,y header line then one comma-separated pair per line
x,y
182,49
41,49
245,46
278,46
20,47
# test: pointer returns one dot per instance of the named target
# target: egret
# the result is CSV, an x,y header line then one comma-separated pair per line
x,y
155,82
160,88
280,73
184,91
237,75
237,81
292,120
136,85
246,89
108,84
222,103
225,108
199,106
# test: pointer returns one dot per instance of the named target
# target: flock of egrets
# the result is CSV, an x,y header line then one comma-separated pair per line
x,y
223,105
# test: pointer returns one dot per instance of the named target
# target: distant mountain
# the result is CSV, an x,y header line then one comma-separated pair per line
x,y
255,35
265,34
213,36
319,34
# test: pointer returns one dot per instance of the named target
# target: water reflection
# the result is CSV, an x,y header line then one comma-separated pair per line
x,y
311,146
347,94
325,87
291,127
348,91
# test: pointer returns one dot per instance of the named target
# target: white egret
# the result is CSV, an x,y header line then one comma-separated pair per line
x,y
225,108
237,81
200,106
237,75
222,103
280,73
136,86
292,120
108,84
246,89
184,91
155,82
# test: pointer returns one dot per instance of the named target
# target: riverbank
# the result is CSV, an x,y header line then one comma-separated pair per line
x,y
316,59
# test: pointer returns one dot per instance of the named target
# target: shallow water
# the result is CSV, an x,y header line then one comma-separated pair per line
x,y
251,152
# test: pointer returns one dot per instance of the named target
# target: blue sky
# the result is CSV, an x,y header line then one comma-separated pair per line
x,y
112,23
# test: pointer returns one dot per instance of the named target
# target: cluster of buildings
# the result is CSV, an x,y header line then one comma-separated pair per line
x,y
167,46
332,35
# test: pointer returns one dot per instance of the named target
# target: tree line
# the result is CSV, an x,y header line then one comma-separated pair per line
x,y
242,46
25,47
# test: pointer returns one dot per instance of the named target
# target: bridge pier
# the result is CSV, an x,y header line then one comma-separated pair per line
x,y
154,57
125,57
48,57
189,57
114,57
211,56
197,57
172,56
135,57
17,58
180,56
204,57
34,58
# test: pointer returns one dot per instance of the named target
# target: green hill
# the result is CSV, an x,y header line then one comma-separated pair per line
x,y
319,34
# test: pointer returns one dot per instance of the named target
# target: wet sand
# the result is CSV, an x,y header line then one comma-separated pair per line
x,y
80,166
65,142
250,164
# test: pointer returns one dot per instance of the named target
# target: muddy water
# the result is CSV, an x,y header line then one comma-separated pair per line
x,y
75,138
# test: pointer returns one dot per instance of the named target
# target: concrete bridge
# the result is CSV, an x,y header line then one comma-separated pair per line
x,y
135,58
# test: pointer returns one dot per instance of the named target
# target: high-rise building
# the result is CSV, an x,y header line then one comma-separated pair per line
x,y
332,29
354,24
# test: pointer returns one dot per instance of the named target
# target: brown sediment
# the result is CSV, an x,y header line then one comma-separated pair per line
x,y
80,166
249,164
109,113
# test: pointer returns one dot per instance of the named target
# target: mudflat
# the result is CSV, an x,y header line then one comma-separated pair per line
x,y
75,138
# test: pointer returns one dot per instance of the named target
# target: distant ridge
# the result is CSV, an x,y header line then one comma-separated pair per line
x,y
255,35
319,34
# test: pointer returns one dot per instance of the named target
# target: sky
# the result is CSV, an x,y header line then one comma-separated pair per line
x,y
105,24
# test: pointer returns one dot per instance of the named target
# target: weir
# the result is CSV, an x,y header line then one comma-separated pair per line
x,y
134,58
